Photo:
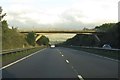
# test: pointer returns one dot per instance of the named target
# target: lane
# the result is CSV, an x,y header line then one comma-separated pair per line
x,y
90,66
63,63
45,64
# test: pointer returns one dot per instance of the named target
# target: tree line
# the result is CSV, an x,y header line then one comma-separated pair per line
x,y
110,36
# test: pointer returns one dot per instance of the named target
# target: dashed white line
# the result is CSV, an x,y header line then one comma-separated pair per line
x,y
72,67
67,61
20,59
80,77
60,52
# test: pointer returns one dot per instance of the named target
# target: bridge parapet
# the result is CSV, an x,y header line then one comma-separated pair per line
x,y
68,32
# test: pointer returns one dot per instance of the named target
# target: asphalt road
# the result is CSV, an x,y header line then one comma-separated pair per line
x,y
63,63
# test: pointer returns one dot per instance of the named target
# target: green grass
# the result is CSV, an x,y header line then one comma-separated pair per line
x,y
102,52
8,58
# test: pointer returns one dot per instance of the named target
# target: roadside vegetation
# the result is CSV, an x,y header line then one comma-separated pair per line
x,y
30,38
10,38
43,40
111,36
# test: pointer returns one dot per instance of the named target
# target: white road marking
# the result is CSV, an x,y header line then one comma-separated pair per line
x,y
67,61
60,52
111,59
20,59
105,57
80,77
72,67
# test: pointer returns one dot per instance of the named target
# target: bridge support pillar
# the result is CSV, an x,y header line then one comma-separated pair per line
x,y
38,36
98,39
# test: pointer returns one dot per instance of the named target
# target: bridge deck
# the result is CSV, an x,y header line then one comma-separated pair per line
x,y
76,32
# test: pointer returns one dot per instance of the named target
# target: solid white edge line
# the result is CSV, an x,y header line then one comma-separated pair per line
x,y
104,57
80,77
21,59
67,61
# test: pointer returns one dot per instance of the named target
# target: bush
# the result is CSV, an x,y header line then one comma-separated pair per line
x,y
31,38
43,40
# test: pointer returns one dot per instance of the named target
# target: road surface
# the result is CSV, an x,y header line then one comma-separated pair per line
x,y
62,62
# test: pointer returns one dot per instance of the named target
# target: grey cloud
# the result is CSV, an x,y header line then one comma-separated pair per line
x,y
68,22
28,25
69,15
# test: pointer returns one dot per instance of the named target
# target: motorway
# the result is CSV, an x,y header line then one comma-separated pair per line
x,y
62,62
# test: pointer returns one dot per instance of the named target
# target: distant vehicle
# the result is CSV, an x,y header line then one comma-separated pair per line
x,y
52,46
106,46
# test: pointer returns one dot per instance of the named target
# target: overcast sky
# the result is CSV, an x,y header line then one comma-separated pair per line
x,y
59,14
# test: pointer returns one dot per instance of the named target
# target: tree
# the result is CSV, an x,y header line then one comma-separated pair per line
x,y
111,35
43,40
31,38
82,40
1,15
104,27
4,25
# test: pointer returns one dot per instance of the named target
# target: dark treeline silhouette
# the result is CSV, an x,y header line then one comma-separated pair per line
x,y
43,40
111,37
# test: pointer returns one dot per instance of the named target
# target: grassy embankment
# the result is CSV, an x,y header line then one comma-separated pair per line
x,y
12,39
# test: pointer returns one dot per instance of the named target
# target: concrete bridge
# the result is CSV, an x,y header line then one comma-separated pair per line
x,y
68,32
86,32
